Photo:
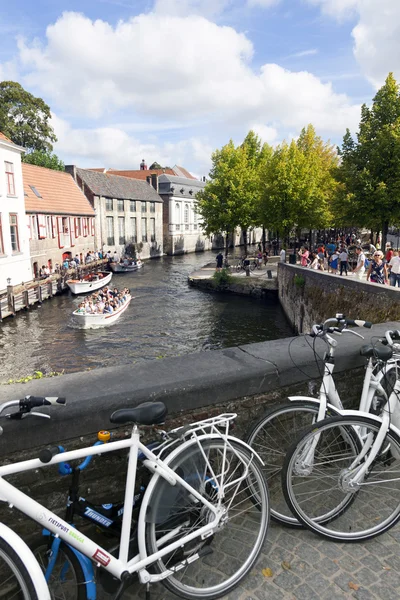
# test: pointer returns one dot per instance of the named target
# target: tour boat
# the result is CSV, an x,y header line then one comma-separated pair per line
x,y
88,321
89,283
126,267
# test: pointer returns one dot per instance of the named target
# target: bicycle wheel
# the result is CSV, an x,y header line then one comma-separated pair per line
x,y
173,511
253,265
15,581
67,580
271,436
238,268
322,495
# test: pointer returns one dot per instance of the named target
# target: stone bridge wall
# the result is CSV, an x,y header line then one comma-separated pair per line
x,y
247,380
309,297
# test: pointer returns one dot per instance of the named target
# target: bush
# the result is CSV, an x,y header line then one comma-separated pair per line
x,y
222,277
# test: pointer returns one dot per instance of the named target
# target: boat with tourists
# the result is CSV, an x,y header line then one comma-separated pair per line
x,y
89,283
87,320
126,266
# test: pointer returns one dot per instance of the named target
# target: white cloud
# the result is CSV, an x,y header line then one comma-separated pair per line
x,y
267,134
174,68
376,35
114,147
310,52
340,9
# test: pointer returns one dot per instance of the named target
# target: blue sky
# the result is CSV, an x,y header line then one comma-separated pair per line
x,y
171,80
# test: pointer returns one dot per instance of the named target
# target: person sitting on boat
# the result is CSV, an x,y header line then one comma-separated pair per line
x,y
81,308
108,308
100,305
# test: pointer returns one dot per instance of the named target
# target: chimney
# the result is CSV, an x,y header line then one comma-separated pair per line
x,y
71,169
143,166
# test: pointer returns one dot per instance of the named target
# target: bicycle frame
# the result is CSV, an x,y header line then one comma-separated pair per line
x,y
83,544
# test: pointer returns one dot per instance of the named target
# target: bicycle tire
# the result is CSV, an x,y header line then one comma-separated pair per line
x,y
67,580
238,268
344,521
15,580
217,572
253,265
271,436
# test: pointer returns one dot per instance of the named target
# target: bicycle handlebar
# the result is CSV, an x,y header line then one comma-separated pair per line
x,y
25,405
337,324
392,336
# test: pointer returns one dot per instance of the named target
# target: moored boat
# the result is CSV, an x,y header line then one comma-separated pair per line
x,y
90,321
89,283
126,267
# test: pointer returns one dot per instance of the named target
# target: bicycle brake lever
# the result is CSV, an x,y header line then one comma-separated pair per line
x,y
353,332
19,416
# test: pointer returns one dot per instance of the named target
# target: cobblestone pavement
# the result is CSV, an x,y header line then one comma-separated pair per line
x,y
306,567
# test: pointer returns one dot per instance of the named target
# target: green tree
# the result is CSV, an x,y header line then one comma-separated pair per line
x,y
155,165
24,118
44,159
370,169
228,199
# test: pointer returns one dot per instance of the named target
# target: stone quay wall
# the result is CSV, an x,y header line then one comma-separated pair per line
x,y
247,380
309,297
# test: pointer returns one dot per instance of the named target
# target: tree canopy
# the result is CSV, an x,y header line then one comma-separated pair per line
x,y
370,166
25,119
43,159
155,165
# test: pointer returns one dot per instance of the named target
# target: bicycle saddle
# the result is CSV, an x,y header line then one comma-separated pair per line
x,y
148,413
382,352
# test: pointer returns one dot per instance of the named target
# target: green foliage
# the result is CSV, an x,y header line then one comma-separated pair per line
x,y
36,375
299,281
297,183
43,159
155,165
369,174
24,118
222,277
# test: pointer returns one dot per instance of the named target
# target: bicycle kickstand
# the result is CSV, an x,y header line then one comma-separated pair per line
x,y
148,591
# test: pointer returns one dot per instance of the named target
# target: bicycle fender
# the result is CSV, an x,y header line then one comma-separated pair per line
x,y
359,413
315,401
29,560
88,571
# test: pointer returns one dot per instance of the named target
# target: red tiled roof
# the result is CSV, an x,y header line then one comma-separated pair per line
x,y
184,172
4,137
139,174
60,194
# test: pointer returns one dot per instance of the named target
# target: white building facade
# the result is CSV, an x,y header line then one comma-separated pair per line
x,y
15,263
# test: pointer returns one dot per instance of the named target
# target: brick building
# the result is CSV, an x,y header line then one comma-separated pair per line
x,y
60,218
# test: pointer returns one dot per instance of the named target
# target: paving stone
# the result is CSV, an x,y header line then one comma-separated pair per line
x,y
304,592
287,580
366,577
327,567
364,594
385,592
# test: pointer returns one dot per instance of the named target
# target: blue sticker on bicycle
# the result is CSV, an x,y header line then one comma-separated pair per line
x,y
95,516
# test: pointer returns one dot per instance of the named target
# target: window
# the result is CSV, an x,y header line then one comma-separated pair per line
x,y
121,230
132,205
14,233
152,207
186,216
177,217
34,190
1,237
133,229
10,178
144,207
49,229
109,204
144,229
78,227
194,219
65,225
120,205
110,230
152,230
34,227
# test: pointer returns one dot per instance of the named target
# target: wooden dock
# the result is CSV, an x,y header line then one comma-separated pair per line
x,y
22,297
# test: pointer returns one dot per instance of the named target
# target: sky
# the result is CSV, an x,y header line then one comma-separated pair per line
x,y
172,80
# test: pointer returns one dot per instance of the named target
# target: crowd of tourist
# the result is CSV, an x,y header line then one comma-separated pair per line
x,y
333,257
104,301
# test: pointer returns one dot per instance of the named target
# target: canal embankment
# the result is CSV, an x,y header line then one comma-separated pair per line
x,y
309,296
246,379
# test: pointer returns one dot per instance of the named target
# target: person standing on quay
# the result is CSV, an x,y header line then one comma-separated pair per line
x,y
220,259
343,257
377,272
394,266
304,254
359,270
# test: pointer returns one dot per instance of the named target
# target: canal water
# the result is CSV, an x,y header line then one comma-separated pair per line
x,y
165,318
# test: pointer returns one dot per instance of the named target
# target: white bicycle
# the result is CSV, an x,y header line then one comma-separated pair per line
x,y
206,497
272,435
341,479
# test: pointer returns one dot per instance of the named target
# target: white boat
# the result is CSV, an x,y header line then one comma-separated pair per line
x,y
126,267
89,283
88,321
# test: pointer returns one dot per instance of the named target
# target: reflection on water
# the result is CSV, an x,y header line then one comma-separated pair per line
x,y
165,318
